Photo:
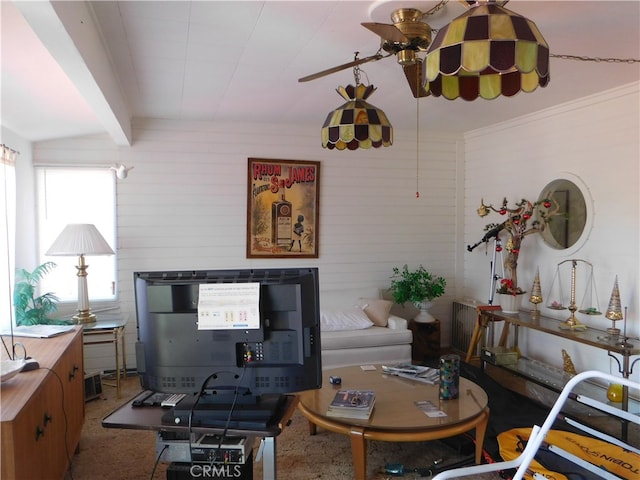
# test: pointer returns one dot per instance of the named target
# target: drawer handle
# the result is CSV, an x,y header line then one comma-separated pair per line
x,y
39,432
47,418
72,373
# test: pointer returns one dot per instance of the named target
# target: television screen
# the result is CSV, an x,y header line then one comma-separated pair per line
x,y
257,330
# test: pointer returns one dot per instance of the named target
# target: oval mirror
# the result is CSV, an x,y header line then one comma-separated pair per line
x,y
567,215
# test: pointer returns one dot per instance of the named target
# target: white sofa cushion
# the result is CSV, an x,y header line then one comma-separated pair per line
x,y
376,309
345,319
371,337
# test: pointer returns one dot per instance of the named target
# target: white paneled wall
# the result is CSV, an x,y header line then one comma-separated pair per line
x,y
183,206
594,141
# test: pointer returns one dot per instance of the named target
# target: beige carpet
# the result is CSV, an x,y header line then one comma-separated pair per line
x,y
117,454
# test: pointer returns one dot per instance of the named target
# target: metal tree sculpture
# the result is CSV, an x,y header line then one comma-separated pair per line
x,y
526,218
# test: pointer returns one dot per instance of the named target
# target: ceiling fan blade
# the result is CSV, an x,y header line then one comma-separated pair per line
x,y
387,32
344,66
413,73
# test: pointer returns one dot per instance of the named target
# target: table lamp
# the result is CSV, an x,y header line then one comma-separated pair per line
x,y
81,239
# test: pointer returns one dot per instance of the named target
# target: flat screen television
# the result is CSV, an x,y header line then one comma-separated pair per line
x,y
253,330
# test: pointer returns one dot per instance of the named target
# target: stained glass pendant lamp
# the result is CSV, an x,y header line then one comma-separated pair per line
x,y
356,123
486,52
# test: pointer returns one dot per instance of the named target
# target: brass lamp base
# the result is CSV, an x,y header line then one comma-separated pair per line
x,y
84,316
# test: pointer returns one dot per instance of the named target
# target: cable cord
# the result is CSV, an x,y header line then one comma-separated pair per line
x,y
231,409
66,423
155,465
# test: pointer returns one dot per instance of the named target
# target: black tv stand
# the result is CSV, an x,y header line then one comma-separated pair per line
x,y
228,396
256,412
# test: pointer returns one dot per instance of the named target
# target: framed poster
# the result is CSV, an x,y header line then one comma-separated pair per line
x,y
282,208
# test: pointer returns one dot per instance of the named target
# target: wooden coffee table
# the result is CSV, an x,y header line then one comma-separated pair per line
x,y
395,417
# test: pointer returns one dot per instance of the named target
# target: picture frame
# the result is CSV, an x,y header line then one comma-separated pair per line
x,y
282,208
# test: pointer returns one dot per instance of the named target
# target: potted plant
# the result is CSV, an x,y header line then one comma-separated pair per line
x,y
32,310
418,287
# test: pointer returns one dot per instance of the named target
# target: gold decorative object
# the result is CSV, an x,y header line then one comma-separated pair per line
x,y
567,363
572,323
536,295
615,393
614,310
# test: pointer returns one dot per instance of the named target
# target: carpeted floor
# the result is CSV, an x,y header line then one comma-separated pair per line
x,y
117,454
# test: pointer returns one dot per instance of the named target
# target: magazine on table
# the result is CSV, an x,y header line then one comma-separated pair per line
x,y
418,373
352,404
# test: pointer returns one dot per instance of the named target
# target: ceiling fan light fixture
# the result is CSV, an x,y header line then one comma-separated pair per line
x,y
486,52
356,123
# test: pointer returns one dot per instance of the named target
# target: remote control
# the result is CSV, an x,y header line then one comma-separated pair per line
x,y
172,400
139,400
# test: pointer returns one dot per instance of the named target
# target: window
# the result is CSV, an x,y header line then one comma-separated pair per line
x,y
7,234
76,195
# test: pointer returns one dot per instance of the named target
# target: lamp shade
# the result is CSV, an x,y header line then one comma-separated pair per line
x,y
79,239
486,52
356,124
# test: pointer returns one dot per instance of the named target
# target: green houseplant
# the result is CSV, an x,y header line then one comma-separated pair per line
x,y
32,310
415,286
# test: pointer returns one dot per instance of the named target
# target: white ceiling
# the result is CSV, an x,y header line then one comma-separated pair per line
x,y
75,68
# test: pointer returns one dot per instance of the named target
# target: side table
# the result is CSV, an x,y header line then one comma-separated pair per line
x,y
109,329
426,340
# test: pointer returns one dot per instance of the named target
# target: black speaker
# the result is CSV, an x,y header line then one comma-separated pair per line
x,y
92,386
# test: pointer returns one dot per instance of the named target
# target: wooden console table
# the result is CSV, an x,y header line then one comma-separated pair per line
x,y
547,376
43,410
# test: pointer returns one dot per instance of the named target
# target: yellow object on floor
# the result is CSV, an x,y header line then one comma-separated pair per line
x,y
612,458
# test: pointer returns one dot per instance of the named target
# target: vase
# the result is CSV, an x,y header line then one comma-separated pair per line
x,y
510,303
424,316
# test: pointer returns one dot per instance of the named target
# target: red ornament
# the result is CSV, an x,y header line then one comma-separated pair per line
x,y
526,216
516,251
516,221
498,248
503,211
547,203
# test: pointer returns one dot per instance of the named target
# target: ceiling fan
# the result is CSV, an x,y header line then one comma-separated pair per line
x,y
405,38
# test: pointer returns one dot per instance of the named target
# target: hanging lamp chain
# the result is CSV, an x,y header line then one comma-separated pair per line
x,y
356,69
582,58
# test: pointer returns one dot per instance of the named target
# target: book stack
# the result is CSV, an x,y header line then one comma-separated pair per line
x,y
352,404
418,373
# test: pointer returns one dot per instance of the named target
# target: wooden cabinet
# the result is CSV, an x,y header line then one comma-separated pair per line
x,y
43,410
426,340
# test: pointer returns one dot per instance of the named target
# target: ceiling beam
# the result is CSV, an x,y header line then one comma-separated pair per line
x,y
68,31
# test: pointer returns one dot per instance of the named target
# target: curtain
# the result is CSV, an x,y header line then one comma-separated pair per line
x,y
7,234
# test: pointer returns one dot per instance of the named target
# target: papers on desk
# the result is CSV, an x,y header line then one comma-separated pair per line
x,y
429,409
38,331
418,373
